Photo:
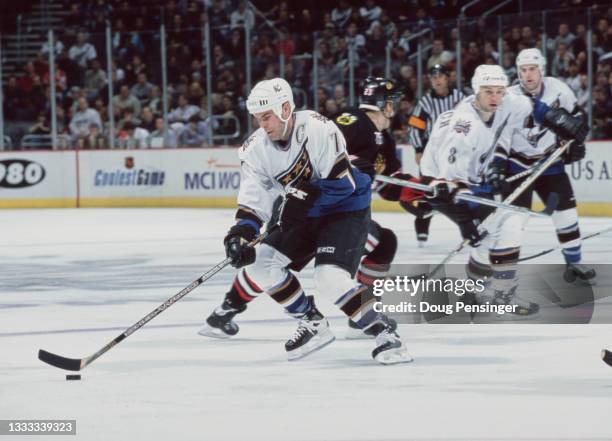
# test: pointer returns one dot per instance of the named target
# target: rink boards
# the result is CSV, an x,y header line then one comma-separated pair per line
x,y
201,178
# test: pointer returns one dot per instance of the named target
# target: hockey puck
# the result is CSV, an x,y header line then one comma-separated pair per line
x,y
73,377
606,356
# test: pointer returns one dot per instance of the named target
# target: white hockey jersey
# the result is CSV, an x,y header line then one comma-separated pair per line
x,y
315,151
533,142
462,145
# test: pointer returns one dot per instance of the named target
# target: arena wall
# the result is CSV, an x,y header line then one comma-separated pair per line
x,y
202,178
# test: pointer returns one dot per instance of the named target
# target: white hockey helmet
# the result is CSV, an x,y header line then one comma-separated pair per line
x,y
488,75
531,56
270,95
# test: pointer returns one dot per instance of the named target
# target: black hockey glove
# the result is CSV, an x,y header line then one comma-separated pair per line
x,y
297,202
443,192
364,166
576,152
565,125
495,176
237,245
469,230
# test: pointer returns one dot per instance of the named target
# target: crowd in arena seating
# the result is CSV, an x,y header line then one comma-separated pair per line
x,y
290,28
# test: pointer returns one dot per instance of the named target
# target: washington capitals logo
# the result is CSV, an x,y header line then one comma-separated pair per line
x,y
462,127
276,88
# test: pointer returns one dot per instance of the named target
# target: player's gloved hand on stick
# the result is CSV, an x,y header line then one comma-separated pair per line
x,y
469,230
495,176
237,245
576,152
364,166
298,201
443,191
560,121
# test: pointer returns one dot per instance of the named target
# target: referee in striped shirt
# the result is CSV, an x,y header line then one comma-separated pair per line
x,y
441,98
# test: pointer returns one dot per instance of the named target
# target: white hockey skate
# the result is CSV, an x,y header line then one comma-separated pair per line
x,y
522,309
390,349
579,272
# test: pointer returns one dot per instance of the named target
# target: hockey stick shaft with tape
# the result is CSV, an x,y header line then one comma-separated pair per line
x,y
462,196
77,364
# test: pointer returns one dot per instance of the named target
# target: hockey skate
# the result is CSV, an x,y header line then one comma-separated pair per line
x,y
522,309
220,323
389,348
580,272
312,334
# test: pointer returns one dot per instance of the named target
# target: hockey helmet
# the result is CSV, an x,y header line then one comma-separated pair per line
x,y
531,56
270,95
488,75
376,92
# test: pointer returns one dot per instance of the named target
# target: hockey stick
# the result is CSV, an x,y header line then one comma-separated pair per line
x,y
467,197
77,364
550,250
511,198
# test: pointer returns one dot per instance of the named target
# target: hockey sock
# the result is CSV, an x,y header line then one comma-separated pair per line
x,y
290,295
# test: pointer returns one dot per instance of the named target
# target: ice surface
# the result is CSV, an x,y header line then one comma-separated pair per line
x,y
71,280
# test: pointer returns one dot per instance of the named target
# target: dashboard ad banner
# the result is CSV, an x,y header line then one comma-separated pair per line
x,y
159,174
37,177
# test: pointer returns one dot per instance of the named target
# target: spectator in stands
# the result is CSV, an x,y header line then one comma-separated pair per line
x,y
156,104
59,47
82,119
340,96
561,61
93,140
95,80
243,15
125,99
157,138
439,55
424,21
376,47
82,52
13,103
331,107
195,133
602,114
142,89
573,77
527,38
472,59
582,94
564,37
341,14
491,53
370,11
147,119
509,66
128,116
183,112
41,127
132,137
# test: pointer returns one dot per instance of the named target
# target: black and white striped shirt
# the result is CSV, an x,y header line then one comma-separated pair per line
x,y
425,114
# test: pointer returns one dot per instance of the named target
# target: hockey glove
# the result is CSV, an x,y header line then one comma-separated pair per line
x,y
469,231
565,125
443,191
364,166
495,176
237,245
298,201
576,152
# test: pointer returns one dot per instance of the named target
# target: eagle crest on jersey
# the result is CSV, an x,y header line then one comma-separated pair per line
x,y
299,171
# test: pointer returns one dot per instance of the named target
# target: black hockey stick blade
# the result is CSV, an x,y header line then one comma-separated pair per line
x,y
69,364
551,203
606,356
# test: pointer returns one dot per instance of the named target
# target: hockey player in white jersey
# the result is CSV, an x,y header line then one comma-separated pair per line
x,y
325,214
532,143
463,146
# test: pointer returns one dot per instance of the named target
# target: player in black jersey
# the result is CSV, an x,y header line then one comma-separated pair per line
x,y
371,149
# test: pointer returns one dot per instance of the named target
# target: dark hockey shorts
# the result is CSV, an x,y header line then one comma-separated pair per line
x,y
337,239
544,186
